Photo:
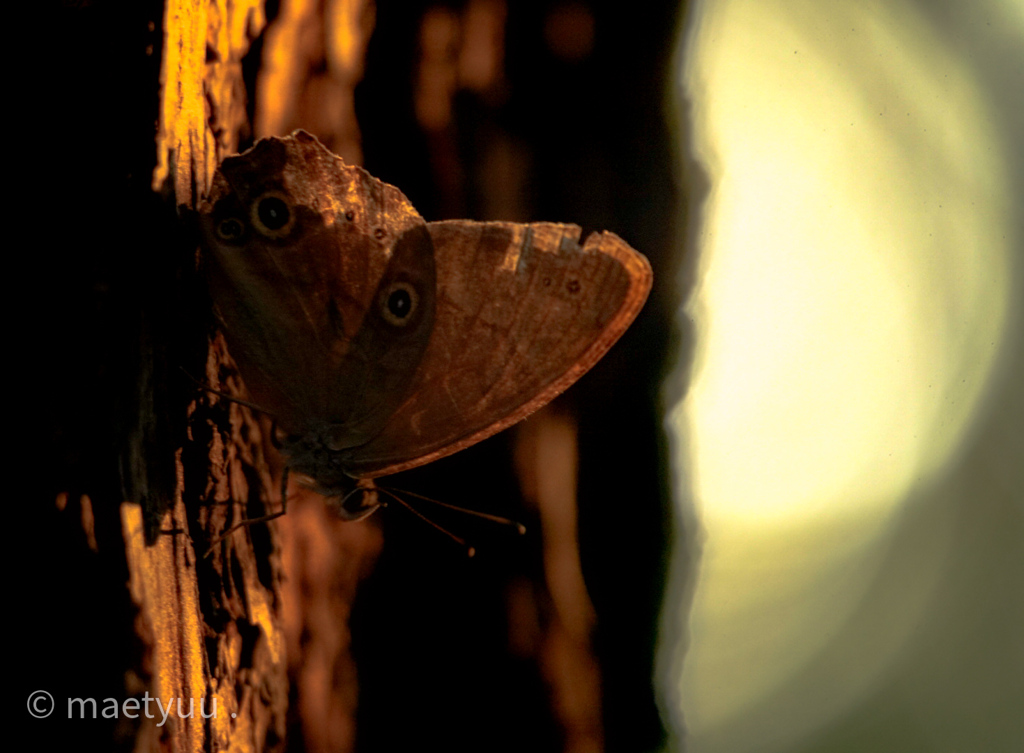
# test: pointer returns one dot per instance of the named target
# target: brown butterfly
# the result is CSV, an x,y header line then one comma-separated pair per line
x,y
380,342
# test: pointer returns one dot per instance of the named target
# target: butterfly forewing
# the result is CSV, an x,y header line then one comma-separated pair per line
x,y
298,301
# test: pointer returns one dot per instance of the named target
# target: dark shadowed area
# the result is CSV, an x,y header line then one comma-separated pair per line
x,y
525,111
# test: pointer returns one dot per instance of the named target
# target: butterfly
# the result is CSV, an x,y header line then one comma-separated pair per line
x,y
378,341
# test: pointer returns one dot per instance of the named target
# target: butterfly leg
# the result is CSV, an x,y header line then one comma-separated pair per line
x,y
203,387
261,519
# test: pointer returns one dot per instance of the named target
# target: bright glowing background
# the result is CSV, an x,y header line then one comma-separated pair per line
x,y
852,298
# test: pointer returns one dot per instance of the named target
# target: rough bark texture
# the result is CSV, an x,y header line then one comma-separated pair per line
x,y
217,621
209,607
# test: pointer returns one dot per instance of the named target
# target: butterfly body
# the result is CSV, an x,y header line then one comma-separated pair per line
x,y
379,341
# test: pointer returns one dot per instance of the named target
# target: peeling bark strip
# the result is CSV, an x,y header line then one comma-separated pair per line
x,y
211,626
202,97
163,585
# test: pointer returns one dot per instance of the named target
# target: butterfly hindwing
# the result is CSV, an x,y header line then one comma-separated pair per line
x,y
522,312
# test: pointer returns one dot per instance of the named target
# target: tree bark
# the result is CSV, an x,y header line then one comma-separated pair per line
x,y
209,608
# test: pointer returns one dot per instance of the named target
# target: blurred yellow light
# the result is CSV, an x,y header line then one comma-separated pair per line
x,y
850,301
854,275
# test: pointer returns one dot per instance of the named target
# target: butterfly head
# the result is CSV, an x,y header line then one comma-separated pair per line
x,y
312,456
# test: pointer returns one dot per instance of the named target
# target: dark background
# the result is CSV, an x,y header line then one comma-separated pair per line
x,y
599,156
427,625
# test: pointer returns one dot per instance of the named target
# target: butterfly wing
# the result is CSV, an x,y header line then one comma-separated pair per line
x,y
522,312
305,255
388,342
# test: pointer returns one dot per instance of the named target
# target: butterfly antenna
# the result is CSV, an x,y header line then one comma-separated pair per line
x,y
470,551
520,528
